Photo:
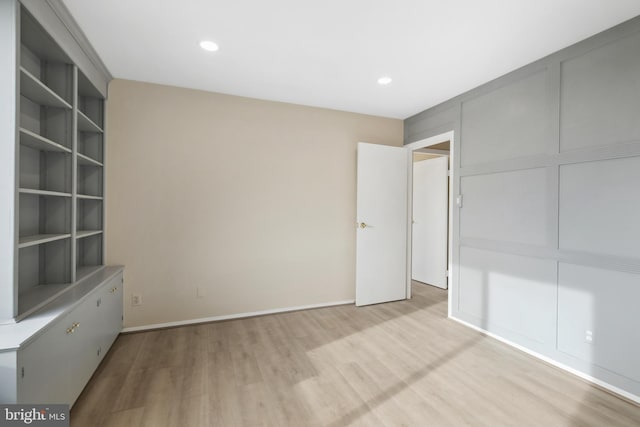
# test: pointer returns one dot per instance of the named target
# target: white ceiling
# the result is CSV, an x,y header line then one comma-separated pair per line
x,y
330,53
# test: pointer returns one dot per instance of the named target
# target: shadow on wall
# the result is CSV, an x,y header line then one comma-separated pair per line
x,y
562,307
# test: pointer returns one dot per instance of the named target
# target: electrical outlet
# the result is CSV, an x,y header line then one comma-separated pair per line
x,y
588,337
136,299
200,292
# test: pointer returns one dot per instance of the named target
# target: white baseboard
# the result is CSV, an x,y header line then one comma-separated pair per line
x,y
234,316
589,378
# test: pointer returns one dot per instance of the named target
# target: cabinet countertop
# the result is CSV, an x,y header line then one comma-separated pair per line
x,y
13,336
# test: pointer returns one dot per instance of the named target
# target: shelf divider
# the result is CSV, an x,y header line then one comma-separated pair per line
x,y
85,124
38,92
88,197
84,160
38,239
80,234
44,192
33,140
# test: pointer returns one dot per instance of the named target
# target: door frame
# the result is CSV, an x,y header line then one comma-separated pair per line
x,y
425,143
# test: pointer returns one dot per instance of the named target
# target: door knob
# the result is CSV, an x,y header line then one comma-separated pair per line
x,y
363,225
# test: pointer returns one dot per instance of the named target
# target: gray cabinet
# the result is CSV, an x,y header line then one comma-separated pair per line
x,y
111,314
44,382
82,347
55,363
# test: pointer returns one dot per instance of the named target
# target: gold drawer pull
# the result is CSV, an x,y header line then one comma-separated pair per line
x,y
73,327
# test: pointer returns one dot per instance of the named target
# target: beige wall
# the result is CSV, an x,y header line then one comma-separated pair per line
x,y
252,201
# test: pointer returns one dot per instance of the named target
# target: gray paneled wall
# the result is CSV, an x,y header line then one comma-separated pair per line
x,y
519,113
497,205
547,247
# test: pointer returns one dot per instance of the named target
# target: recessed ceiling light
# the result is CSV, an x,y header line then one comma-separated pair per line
x,y
208,45
384,80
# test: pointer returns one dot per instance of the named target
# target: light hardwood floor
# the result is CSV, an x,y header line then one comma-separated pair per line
x,y
395,364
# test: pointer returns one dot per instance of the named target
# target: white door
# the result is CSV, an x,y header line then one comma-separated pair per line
x,y
381,244
429,232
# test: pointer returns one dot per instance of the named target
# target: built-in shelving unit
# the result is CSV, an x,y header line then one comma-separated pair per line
x,y
90,176
53,279
60,163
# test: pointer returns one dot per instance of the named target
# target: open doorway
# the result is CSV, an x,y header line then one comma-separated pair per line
x,y
430,223
383,219
437,230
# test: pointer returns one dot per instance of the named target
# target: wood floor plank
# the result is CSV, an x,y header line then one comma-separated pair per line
x,y
258,408
225,402
380,401
336,403
129,418
280,379
395,364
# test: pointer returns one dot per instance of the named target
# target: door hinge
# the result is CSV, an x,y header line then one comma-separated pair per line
x,y
446,273
22,372
459,200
